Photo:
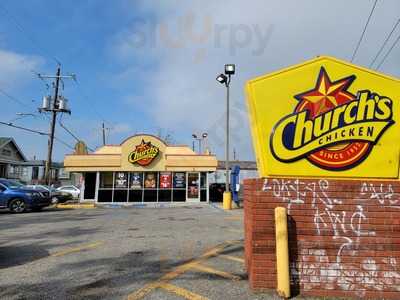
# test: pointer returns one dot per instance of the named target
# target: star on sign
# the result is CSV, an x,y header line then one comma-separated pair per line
x,y
326,94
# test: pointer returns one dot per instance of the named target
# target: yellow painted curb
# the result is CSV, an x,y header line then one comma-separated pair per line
x,y
75,206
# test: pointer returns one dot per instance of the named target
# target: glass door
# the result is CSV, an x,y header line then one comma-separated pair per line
x,y
193,187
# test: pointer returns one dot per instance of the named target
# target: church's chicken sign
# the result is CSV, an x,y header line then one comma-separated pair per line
x,y
335,123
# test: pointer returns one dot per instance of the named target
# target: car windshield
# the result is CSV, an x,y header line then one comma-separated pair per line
x,y
12,184
68,188
39,187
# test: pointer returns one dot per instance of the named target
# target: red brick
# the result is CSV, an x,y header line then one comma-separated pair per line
x,y
377,216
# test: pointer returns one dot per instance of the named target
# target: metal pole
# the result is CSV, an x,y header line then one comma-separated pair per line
x,y
227,137
52,128
199,146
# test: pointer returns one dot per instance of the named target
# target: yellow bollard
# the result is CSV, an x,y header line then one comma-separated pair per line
x,y
282,252
227,201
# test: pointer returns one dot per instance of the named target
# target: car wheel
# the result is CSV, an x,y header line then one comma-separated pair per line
x,y
54,200
17,206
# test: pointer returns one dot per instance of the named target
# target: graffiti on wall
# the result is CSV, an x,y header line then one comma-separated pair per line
x,y
348,228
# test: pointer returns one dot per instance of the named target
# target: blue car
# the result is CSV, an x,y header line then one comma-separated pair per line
x,y
18,198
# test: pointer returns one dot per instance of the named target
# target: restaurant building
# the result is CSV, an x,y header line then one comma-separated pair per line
x,y
143,169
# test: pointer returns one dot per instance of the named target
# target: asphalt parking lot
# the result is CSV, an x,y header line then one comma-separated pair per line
x,y
190,252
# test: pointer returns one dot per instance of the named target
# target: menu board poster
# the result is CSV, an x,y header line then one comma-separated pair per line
x,y
150,180
136,180
165,180
121,180
180,180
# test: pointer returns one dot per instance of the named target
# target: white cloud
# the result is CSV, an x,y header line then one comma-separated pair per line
x,y
121,128
190,41
15,68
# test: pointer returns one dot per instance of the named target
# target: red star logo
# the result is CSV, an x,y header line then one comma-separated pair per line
x,y
143,146
326,95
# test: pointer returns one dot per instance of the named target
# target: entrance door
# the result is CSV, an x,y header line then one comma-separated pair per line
x,y
193,187
90,186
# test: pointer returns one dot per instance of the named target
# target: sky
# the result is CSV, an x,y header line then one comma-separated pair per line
x,y
146,66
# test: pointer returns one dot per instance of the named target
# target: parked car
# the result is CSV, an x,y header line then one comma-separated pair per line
x,y
55,195
19,198
71,189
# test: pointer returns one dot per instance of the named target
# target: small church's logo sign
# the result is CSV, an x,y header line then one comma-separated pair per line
x,y
143,154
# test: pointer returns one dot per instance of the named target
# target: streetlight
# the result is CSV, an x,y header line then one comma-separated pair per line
x,y
199,139
21,116
226,80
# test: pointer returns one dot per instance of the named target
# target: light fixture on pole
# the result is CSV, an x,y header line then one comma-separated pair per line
x,y
222,78
226,80
199,139
21,115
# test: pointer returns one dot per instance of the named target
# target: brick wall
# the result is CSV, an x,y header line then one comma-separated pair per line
x,y
344,236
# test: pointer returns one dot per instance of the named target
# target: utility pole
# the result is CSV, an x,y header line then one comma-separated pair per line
x,y
104,134
52,129
55,105
104,131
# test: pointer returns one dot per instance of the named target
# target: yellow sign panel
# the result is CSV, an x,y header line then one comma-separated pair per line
x,y
326,118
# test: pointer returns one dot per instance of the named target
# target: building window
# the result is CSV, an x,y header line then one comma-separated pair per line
x,y
165,187
150,187
138,187
35,173
179,184
15,172
105,193
63,174
6,152
120,187
135,187
106,180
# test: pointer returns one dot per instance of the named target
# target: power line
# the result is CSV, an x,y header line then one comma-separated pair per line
x,y
72,134
93,107
13,98
24,128
69,131
21,28
385,42
42,50
387,53
363,32
37,132
64,143
17,100
29,37
20,102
